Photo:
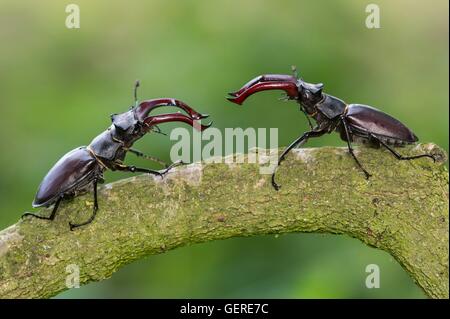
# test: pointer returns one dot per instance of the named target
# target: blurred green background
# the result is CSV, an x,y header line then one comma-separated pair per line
x,y
58,87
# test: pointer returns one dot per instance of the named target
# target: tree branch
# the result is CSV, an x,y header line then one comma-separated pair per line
x,y
402,209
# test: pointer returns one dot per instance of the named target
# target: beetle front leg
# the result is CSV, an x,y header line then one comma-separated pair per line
x,y
94,213
174,164
307,117
134,169
298,142
151,158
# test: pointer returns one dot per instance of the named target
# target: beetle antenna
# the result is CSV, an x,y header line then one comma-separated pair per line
x,y
294,70
136,85
156,129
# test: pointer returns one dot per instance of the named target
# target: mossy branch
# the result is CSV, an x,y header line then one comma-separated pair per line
x,y
402,209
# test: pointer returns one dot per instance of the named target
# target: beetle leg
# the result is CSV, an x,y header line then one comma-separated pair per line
x,y
155,159
134,169
94,212
283,82
307,117
156,129
52,215
151,158
350,148
298,142
174,164
398,155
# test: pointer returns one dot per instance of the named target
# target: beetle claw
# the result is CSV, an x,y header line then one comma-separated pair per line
x,y
234,100
282,82
145,107
25,215
368,175
174,117
276,186
205,126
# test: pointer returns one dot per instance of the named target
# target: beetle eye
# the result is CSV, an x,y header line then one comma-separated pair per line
x,y
136,128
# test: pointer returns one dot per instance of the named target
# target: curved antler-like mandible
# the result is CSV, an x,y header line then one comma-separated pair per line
x,y
174,117
287,83
145,107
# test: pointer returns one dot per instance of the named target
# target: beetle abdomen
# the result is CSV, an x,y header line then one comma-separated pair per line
x,y
384,126
73,171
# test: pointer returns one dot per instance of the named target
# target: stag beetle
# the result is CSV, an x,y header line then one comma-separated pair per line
x,y
84,166
356,123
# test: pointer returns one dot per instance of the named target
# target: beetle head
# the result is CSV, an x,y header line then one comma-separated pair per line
x,y
143,109
133,124
309,94
295,88
127,127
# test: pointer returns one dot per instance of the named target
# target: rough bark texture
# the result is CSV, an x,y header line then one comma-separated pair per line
x,y
402,209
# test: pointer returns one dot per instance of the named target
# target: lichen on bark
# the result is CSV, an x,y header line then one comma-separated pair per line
x,y
402,209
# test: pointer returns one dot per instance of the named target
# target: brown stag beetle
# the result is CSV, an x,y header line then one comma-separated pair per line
x,y
354,122
84,166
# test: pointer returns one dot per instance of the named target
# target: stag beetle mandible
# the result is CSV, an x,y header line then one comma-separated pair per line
x,y
82,167
354,122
